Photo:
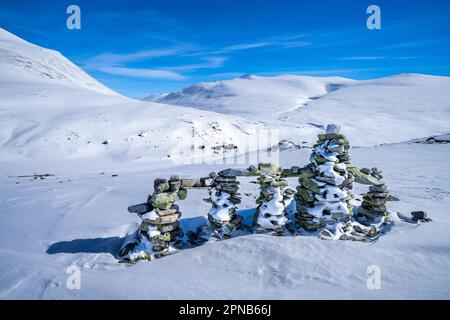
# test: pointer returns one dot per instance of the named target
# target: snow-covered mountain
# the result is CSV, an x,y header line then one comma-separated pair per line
x,y
21,61
386,110
254,96
50,108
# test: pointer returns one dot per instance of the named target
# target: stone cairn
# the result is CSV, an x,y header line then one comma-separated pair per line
x,y
275,196
373,211
323,196
224,197
159,233
373,208
322,200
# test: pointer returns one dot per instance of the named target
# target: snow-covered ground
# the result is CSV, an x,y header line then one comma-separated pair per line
x,y
103,152
80,218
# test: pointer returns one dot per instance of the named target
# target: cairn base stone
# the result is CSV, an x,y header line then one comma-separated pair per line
x,y
159,232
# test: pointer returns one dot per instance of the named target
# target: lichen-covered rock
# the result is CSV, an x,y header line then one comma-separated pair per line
x,y
159,232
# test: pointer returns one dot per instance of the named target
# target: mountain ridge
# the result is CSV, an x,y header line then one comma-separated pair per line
x,y
384,110
50,108
22,59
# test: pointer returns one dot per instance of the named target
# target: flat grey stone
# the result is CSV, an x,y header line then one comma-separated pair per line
x,y
139,208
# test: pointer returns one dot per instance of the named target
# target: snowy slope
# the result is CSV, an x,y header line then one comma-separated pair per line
x,y
23,61
55,119
386,110
50,108
252,95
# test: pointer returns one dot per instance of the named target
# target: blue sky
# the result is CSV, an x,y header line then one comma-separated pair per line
x,y
143,47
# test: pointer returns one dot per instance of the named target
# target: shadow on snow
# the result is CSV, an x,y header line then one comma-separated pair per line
x,y
112,245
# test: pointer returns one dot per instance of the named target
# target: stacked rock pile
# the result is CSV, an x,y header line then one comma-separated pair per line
x,y
275,196
323,194
373,208
224,197
373,211
159,232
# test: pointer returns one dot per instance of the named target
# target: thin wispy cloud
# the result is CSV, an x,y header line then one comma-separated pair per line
x,y
418,43
281,41
362,58
143,73
246,46
317,72
118,63
210,63
138,23
331,71
296,44
108,58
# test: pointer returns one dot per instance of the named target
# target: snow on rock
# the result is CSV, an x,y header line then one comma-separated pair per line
x,y
224,196
271,213
274,199
260,96
221,212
